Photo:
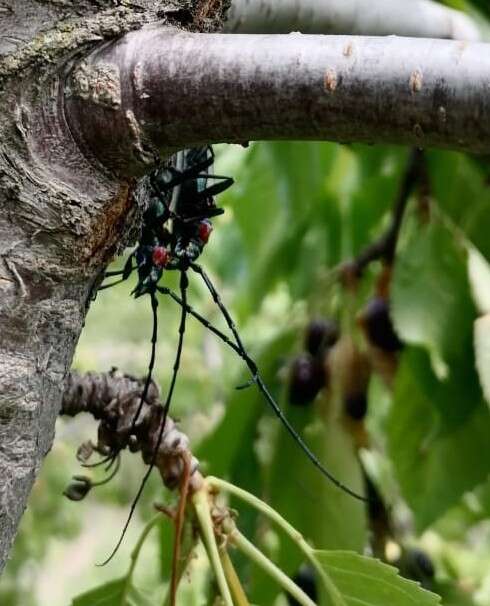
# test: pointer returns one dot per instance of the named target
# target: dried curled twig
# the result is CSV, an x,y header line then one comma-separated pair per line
x,y
113,398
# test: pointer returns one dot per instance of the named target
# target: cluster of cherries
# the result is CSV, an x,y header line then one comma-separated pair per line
x,y
309,374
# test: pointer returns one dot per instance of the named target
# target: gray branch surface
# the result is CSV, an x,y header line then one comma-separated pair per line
x,y
176,89
416,18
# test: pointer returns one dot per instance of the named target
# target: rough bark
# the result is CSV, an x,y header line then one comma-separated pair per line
x,y
176,89
61,217
417,18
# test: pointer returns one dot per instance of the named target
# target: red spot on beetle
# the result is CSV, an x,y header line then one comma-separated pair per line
x,y
160,256
205,229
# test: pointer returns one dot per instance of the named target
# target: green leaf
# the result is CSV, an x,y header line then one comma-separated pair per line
x,y
437,434
482,5
302,169
257,221
430,298
482,353
321,512
363,581
278,189
460,186
218,451
328,517
479,274
379,173
138,597
453,595
109,594
112,594
438,421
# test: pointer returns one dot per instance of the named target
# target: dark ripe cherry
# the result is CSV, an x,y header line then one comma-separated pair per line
x,y
204,230
306,379
160,256
305,580
419,564
379,327
321,333
356,405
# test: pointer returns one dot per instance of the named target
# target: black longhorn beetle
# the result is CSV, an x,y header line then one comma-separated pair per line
x,y
176,227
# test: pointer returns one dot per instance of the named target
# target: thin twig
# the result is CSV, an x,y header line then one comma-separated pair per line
x,y
134,558
384,248
179,525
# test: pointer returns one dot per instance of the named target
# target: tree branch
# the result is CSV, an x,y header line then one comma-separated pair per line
x,y
417,18
112,398
384,248
176,90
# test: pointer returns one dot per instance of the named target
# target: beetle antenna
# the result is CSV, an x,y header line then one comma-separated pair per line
x,y
265,391
154,337
166,408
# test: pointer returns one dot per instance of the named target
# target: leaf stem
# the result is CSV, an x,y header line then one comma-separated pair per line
x,y
236,588
179,525
135,555
267,510
203,513
270,568
188,545
291,532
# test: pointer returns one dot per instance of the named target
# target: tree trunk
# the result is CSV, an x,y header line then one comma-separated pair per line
x,y
61,220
